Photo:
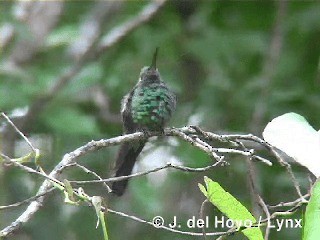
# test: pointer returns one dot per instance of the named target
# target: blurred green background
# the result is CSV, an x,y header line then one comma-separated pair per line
x,y
234,66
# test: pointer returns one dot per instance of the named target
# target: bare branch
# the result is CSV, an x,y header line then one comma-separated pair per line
x,y
55,173
289,204
30,170
93,173
91,29
40,18
19,132
189,134
266,211
118,33
268,70
250,137
168,165
204,147
17,204
7,33
201,213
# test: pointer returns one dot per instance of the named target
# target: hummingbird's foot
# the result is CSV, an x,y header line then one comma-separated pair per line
x,y
147,133
152,133
162,132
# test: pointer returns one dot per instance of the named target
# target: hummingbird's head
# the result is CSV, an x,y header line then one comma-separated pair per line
x,y
151,73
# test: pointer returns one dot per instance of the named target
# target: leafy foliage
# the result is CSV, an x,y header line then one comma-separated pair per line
x,y
231,207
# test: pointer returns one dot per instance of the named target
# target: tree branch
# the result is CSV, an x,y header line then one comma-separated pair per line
x,y
193,135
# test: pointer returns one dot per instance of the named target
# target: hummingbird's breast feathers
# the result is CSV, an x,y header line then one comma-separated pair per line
x,y
152,105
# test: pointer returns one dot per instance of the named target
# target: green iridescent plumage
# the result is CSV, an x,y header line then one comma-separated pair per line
x,y
152,106
147,107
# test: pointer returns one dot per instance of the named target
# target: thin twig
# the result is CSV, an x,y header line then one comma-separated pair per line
x,y
250,137
205,148
93,173
30,170
119,32
289,204
19,132
201,213
289,171
268,71
28,200
266,211
168,165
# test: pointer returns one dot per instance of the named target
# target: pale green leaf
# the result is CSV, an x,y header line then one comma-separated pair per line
x,y
311,230
62,36
202,189
232,208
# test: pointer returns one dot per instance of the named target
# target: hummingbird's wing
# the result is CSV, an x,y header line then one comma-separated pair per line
x,y
128,124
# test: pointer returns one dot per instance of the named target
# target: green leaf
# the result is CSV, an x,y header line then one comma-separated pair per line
x,y
25,159
231,207
203,189
69,120
89,75
69,196
292,134
311,230
62,36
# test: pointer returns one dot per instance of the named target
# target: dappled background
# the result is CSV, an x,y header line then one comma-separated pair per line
x,y
234,66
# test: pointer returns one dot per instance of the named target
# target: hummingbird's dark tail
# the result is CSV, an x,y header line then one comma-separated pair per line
x,y
126,159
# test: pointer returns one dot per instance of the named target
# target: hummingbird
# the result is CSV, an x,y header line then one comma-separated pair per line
x,y
147,107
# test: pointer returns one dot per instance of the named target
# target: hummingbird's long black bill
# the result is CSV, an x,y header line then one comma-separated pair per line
x,y
154,59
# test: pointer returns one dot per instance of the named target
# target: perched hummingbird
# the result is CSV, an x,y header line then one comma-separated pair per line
x,y
147,107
